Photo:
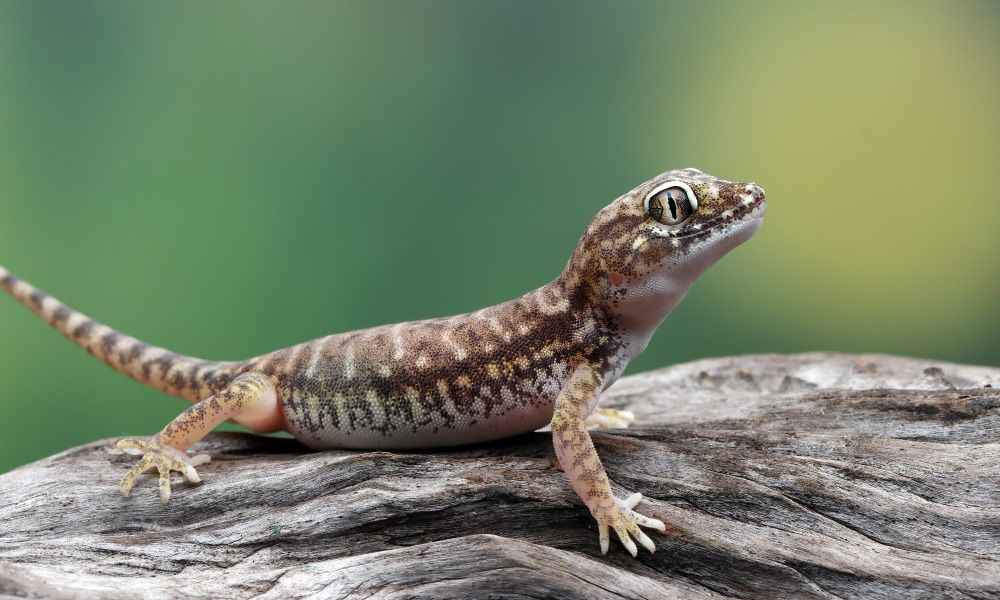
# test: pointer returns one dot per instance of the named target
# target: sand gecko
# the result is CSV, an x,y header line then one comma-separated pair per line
x,y
504,370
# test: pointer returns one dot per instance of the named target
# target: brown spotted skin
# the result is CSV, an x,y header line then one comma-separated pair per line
x,y
468,378
496,372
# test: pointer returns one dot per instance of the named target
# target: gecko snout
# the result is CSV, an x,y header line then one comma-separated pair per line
x,y
753,202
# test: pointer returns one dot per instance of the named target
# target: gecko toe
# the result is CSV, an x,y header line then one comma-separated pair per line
x,y
626,540
199,459
632,500
132,444
645,541
609,418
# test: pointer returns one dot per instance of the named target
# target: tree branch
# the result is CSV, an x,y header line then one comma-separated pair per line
x,y
813,476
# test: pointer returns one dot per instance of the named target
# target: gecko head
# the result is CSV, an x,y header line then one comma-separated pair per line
x,y
642,252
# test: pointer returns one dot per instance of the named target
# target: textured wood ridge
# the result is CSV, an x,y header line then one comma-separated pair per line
x,y
807,476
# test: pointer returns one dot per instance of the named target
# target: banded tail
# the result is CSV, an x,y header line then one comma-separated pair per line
x,y
184,376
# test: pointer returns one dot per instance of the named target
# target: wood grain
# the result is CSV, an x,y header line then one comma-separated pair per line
x,y
804,476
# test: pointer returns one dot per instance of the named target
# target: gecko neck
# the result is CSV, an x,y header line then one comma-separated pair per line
x,y
645,305
633,312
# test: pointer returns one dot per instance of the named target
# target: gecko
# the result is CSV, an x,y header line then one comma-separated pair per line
x,y
512,368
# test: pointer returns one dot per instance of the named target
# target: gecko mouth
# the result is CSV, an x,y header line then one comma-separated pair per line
x,y
750,209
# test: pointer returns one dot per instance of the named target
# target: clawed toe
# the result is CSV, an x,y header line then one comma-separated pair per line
x,y
632,500
626,523
133,444
609,418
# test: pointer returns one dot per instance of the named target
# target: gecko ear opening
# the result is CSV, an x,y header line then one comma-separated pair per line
x,y
671,203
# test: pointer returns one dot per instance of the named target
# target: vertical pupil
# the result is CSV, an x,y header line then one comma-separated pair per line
x,y
669,206
672,204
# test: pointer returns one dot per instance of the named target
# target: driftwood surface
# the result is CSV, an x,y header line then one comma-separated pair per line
x,y
805,476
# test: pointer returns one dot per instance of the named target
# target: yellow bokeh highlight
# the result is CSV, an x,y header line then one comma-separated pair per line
x,y
875,134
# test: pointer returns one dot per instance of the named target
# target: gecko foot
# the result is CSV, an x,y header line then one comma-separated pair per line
x,y
165,459
609,418
626,523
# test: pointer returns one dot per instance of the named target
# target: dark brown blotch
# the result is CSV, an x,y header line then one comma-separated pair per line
x,y
133,353
83,330
108,342
178,381
165,363
37,297
61,315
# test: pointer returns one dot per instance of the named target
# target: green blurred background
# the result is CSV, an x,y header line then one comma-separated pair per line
x,y
228,178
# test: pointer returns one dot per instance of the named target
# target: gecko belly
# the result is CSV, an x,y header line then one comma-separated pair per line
x,y
422,384
397,424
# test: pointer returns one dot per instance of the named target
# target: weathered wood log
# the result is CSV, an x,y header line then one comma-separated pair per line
x,y
808,476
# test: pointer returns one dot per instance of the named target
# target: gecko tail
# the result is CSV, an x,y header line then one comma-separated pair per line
x,y
182,376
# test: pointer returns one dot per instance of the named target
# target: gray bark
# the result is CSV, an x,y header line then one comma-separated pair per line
x,y
807,476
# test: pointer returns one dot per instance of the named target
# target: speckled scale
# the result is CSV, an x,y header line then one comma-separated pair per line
x,y
471,377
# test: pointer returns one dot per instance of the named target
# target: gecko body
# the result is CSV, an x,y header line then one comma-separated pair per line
x,y
542,358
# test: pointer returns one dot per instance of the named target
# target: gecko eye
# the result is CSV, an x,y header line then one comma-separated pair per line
x,y
671,203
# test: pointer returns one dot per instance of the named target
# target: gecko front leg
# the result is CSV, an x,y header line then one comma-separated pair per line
x,y
250,396
582,465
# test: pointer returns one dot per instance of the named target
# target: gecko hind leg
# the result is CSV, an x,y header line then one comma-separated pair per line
x,y
609,418
249,397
